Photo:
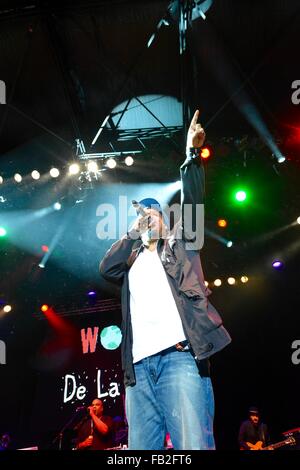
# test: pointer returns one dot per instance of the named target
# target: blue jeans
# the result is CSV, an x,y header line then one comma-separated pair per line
x,y
170,396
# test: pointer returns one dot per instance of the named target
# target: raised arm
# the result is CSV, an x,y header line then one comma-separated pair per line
x,y
192,190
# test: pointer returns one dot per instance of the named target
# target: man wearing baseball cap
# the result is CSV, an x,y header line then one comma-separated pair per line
x,y
169,328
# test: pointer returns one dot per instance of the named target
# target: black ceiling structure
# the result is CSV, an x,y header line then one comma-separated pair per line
x,y
71,69
66,67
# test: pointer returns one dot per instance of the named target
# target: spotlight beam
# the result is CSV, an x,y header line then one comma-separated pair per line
x,y
217,237
270,235
229,79
38,124
54,242
17,219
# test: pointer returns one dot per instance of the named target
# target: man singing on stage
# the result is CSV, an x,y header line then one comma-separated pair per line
x,y
94,432
169,327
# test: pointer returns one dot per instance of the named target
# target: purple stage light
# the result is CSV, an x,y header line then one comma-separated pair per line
x,y
277,264
91,293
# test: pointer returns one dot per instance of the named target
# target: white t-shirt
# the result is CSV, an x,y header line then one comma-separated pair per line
x,y
156,323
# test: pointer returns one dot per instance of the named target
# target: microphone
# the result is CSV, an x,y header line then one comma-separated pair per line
x,y
82,408
139,208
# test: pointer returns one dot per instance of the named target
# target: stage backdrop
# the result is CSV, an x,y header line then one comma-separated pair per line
x,y
78,361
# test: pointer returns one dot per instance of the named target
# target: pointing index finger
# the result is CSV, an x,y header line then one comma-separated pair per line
x,y
195,118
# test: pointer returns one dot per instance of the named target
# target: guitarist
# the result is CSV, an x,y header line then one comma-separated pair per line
x,y
253,435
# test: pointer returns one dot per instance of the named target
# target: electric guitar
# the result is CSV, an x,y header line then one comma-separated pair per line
x,y
259,444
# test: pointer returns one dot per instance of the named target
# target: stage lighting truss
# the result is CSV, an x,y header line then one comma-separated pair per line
x,y
86,167
247,148
83,307
96,163
103,157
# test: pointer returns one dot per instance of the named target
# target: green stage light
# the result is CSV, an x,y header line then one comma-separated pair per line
x,y
241,195
2,232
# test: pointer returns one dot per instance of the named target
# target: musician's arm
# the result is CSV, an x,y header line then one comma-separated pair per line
x,y
243,437
100,424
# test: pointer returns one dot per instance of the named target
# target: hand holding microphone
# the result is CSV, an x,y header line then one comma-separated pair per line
x,y
142,222
88,409
86,443
140,210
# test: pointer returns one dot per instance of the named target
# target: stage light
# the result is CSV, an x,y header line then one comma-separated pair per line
x,y
1,179
44,308
18,178
92,167
241,196
41,265
229,244
35,175
277,264
222,223
91,293
231,281
111,163
206,283
244,279
298,220
205,153
45,248
129,160
281,159
218,282
74,169
54,172
57,206
7,308
3,232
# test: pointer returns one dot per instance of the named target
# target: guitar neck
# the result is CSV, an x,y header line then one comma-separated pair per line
x,y
278,444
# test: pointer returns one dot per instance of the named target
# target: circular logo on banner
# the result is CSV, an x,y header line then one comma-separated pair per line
x,y
111,337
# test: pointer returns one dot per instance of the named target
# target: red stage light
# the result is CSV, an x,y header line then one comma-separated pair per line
x,y
222,223
45,248
205,153
44,308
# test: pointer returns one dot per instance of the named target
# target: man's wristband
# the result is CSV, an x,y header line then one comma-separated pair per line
x,y
193,152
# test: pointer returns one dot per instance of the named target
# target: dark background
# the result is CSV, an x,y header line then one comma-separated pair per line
x,y
66,67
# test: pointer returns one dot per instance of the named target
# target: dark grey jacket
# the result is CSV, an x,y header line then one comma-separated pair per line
x,y
201,322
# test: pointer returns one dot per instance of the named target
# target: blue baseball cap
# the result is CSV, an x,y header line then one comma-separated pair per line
x,y
151,203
